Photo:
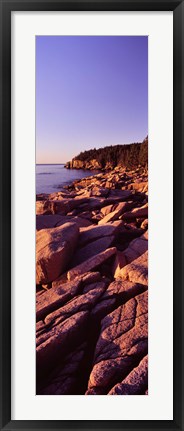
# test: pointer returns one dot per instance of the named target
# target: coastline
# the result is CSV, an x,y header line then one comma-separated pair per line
x,y
92,285
52,178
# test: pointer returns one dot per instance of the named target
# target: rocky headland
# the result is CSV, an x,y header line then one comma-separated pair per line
x,y
107,158
92,286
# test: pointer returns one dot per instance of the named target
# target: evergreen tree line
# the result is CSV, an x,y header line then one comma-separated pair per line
x,y
130,155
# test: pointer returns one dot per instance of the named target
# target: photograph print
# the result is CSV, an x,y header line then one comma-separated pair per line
x,y
91,215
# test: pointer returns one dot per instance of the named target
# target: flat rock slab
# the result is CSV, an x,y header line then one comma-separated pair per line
x,y
135,383
84,279
106,210
123,290
92,233
99,191
54,249
80,221
55,297
62,206
122,343
50,207
136,271
60,339
91,204
118,291
140,187
46,221
82,302
136,248
136,212
91,249
114,215
92,263
123,194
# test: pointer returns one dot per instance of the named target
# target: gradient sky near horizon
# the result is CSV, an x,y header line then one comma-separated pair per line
x,y
91,91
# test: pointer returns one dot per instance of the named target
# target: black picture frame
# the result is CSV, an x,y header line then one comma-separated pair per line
x,y
6,7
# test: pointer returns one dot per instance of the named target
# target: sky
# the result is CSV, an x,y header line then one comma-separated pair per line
x,y
91,91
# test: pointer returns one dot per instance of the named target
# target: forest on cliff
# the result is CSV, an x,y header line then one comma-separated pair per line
x,y
130,155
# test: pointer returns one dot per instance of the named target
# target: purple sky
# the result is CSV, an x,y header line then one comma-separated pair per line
x,y
91,91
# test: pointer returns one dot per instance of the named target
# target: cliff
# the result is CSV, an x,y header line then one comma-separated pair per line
x,y
128,156
76,163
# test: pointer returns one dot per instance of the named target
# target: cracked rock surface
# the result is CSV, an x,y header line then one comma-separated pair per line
x,y
92,286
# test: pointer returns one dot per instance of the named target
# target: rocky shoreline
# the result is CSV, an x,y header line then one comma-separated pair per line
x,y
92,286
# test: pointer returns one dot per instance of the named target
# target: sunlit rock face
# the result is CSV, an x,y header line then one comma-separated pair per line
x,y
92,285
54,249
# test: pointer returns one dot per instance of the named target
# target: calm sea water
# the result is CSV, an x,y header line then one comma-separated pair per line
x,y
51,178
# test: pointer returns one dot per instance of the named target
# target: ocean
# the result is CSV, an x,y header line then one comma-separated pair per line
x,y
51,178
